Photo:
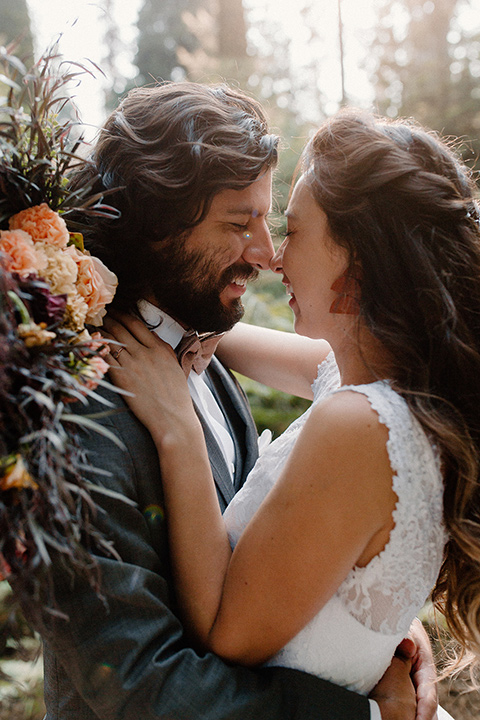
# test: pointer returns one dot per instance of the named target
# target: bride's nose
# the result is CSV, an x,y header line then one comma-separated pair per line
x,y
276,263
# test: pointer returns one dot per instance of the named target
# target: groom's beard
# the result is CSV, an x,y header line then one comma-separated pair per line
x,y
188,287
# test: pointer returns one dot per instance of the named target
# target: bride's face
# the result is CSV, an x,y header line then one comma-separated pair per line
x,y
310,262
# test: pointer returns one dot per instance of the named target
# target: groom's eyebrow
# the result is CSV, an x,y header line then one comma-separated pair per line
x,y
246,210
241,211
250,211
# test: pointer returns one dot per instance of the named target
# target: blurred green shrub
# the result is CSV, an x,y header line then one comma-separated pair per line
x,y
266,305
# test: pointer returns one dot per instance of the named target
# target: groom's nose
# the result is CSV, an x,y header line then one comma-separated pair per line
x,y
259,249
276,262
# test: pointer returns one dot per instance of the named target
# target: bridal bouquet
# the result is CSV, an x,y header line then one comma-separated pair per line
x,y
50,290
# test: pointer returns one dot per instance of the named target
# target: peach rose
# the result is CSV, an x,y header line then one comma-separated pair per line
x,y
93,371
77,310
42,224
95,283
22,256
98,343
61,271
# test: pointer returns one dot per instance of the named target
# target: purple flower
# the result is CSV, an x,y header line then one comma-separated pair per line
x,y
55,308
44,306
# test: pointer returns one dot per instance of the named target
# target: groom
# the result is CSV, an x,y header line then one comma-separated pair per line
x,y
192,163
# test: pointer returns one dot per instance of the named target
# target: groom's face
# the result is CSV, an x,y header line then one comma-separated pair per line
x,y
203,276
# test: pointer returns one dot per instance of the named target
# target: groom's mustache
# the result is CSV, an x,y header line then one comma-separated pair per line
x,y
239,271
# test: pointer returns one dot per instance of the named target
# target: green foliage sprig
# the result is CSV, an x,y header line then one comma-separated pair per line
x,y
38,150
48,359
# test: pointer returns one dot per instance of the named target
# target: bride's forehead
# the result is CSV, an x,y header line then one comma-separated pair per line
x,y
301,199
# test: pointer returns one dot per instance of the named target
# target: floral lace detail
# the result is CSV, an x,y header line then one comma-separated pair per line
x,y
328,378
352,639
389,591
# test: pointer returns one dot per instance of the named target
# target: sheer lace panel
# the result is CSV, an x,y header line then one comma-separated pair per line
x,y
387,593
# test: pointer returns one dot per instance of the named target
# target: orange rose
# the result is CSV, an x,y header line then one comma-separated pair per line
x,y
42,224
22,256
95,283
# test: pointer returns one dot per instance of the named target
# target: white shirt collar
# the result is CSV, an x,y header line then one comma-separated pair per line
x,y
172,332
160,323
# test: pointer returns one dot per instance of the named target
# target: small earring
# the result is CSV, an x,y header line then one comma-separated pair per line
x,y
348,288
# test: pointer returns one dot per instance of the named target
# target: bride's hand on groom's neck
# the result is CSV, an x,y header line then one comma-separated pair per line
x,y
147,368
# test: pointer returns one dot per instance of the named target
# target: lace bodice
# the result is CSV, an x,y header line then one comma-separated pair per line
x,y
352,639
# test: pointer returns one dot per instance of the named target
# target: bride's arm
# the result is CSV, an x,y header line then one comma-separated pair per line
x,y
199,548
330,509
281,360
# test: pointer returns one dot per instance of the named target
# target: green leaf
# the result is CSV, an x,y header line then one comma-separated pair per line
x,y
37,536
8,81
76,239
91,425
39,397
20,306
110,493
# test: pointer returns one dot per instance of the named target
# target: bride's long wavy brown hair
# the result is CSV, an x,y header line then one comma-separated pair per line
x,y
402,203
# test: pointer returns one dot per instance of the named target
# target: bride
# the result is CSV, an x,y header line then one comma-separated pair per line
x,y
371,498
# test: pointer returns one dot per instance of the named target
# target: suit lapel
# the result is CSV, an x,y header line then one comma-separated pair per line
x,y
221,475
234,405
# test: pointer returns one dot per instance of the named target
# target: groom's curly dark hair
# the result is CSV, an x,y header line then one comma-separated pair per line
x,y
165,152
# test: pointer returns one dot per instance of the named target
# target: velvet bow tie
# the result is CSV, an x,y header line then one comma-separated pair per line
x,y
195,351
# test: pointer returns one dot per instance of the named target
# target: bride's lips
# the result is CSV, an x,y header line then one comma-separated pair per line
x,y
289,290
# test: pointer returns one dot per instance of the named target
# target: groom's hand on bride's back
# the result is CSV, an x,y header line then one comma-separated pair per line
x,y
408,689
395,693
424,674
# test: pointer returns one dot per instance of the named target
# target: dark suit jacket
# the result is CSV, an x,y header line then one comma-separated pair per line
x,y
126,657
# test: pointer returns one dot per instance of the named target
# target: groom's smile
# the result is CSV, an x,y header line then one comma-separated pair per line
x,y
209,269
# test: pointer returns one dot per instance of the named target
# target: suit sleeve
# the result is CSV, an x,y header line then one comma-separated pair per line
x,y
124,656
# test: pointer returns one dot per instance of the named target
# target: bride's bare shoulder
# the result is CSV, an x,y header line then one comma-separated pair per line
x,y
348,411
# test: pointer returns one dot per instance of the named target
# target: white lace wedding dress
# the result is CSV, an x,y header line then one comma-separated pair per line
x,y
352,639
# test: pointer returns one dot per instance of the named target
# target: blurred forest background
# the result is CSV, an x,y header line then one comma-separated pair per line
x,y
419,59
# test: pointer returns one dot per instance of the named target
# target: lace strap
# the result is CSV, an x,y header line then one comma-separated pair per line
x,y
385,594
404,430
328,378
